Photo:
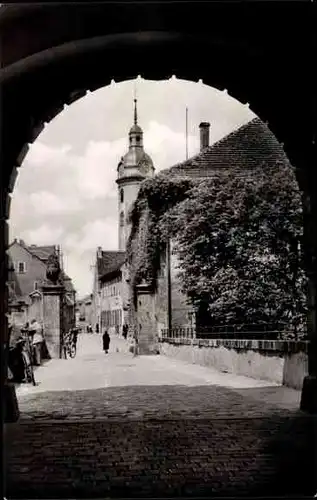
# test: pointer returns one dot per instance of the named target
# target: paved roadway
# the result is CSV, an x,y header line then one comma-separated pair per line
x,y
118,425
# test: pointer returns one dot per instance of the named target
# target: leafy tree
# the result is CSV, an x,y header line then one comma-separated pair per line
x,y
238,239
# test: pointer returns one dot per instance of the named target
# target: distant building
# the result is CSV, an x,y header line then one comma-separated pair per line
x,y
110,291
27,273
111,281
84,312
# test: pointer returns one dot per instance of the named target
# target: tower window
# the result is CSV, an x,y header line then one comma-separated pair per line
x,y
121,195
137,138
121,219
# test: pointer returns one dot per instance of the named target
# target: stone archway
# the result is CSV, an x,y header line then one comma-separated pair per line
x,y
52,55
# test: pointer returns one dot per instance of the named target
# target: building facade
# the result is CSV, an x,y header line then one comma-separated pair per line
x,y
26,277
84,312
110,294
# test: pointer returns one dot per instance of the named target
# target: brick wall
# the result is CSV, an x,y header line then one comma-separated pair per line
x,y
276,361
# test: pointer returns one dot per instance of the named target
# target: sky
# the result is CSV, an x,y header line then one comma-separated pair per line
x,y
66,194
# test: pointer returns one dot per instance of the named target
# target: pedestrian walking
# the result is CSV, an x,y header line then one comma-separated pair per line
x,y
37,341
106,342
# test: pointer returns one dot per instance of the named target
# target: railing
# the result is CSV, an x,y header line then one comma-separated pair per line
x,y
178,333
246,332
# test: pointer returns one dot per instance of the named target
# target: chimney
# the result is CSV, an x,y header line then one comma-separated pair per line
x,y
204,135
99,253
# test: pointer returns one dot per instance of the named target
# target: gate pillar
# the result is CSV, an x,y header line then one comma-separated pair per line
x,y
146,325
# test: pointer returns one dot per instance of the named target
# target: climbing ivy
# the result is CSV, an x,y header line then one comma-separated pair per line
x,y
156,196
238,241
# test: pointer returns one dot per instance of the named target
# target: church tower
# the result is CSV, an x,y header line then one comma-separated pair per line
x,y
135,166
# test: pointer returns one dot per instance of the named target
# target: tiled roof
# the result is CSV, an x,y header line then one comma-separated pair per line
x,y
42,252
109,262
248,147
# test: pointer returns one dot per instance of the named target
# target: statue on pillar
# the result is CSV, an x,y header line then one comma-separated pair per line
x,y
53,269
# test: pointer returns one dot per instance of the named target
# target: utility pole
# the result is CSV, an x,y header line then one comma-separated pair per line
x,y
186,133
61,258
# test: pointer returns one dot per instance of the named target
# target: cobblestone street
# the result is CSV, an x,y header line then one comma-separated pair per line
x,y
119,425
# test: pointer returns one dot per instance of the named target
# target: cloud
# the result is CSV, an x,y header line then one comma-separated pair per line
x,y
75,178
167,147
79,250
96,170
47,203
100,232
41,154
43,235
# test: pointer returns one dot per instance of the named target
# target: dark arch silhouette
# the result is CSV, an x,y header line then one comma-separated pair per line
x,y
53,54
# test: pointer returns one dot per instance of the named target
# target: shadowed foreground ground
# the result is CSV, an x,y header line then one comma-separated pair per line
x,y
124,434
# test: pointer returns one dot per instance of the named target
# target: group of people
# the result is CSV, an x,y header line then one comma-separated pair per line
x,y
28,345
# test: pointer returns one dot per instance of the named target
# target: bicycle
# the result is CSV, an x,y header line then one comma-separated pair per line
x,y
70,345
28,369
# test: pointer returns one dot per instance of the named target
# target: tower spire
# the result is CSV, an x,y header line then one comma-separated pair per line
x,y
135,112
135,106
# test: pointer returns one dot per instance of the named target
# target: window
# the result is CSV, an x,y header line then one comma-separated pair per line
x,y
121,219
121,195
22,267
36,285
138,138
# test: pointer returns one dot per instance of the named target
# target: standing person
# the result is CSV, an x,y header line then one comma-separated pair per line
x,y
75,336
136,341
17,363
125,331
106,342
37,342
